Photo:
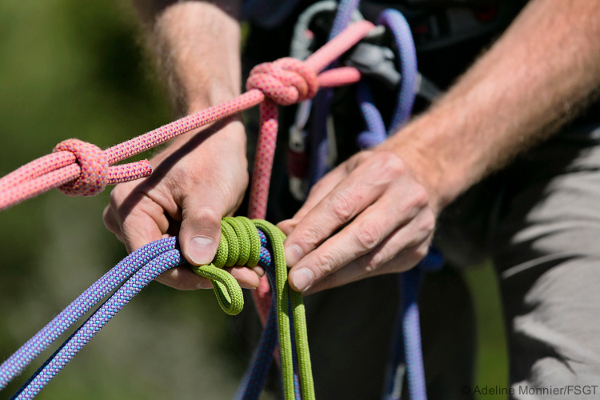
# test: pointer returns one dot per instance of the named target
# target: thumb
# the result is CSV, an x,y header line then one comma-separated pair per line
x,y
200,231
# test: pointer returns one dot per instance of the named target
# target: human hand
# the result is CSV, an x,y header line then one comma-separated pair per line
x,y
369,216
197,180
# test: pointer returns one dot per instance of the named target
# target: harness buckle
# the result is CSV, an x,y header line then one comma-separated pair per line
x,y
377,62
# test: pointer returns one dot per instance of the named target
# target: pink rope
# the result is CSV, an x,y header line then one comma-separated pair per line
x,y
80,168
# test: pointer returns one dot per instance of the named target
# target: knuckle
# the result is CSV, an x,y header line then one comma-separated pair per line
x,y
373,261
308,236
369,234
429,222
115,198
120,200
316,187
108,218
325,264
207,215
355,160
420,252
420,197
391,163
342,205
177,176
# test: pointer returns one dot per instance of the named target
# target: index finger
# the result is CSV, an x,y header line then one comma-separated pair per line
x,y
316,194
346,200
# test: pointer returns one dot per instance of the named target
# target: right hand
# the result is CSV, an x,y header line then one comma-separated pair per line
x,y
200,178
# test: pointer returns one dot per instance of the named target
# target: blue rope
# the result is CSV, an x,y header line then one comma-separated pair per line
x,y
255,377
319,144
407,56
407,341
16,363
375,127
406,347
128,277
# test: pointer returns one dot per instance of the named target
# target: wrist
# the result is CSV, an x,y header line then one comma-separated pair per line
x,y
200,73
213,93
420,147
226,138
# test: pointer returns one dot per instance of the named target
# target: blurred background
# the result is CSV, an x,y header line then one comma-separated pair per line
x,y
77,69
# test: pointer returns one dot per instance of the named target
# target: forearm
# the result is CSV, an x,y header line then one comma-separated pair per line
x,y
202,175
535,77
197,47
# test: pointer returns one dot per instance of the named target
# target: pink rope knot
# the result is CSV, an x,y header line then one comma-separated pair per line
x,y
285,81
94,167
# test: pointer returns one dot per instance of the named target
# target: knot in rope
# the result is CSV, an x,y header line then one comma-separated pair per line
x,y
240,245
285,81
94,167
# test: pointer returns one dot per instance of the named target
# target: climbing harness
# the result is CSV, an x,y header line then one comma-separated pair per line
x,y
79,168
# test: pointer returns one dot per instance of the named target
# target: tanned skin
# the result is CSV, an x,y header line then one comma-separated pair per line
x,y
540,72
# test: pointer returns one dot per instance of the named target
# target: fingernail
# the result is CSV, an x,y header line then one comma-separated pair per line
x,y
303,278
201,250
293,254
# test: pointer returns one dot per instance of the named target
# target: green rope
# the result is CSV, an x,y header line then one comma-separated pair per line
x,y
240,245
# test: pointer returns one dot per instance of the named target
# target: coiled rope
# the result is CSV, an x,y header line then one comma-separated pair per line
x,y
244,243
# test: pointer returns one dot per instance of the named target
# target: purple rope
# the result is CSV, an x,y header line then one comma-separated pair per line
x,y
343,17
410,282
318,140
406,346
96,322
137,270
255,376
407,56
375,132
322,101
16,363
407,340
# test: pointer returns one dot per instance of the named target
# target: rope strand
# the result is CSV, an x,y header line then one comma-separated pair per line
x,y
81,168
242,240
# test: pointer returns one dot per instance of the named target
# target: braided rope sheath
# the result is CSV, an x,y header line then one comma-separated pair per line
x,y
407,356
96,322
261,176
241,237
16,363
242,240
407,57
83,169
240,246
79,168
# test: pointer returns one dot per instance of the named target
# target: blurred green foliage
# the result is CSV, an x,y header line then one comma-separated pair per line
x,y
73,69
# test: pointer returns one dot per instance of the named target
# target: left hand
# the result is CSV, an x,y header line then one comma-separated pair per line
x,y
369,216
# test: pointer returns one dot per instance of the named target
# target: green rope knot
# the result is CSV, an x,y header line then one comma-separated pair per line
x,y
240,245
